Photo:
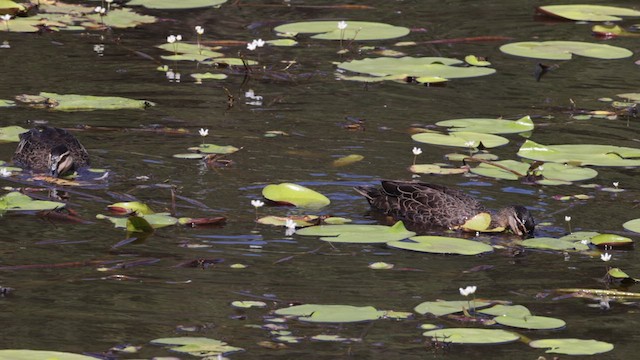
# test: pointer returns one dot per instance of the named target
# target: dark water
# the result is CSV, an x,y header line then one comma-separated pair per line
x,y
80,309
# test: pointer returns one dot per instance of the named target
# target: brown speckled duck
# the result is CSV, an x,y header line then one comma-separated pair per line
x,y
51,150
435,205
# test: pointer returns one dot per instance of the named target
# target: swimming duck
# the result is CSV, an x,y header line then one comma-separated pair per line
x,y
434,205
51,150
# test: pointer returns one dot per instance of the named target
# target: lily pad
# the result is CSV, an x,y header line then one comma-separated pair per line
x,y
507,310
475,61
41,355
356,30
436,169
582,154
15,201
200,52
155,220
442,245
440,308
208,76
564,50
332,313
472,336
611,240
347,160
461,139
572,346
554,244
632,225
248,304
417,67
173,5
122,18
296,195
553,173
11,133
364,234
197,346
7,103
588,12
130,207
82,102
489,126
531,322
214,149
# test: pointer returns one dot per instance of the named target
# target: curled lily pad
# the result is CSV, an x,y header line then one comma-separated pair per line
x,y
197,346
584,154
442,245
572,346
356,30
296,195
440,308
366,234
563,50
41,355
15,201
461,139
472,336
332,313
130,207
588,12
172,4
11,133
531,322
417,67
475,61
489,126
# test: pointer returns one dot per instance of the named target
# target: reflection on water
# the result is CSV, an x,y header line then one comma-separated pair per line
x,y
63,303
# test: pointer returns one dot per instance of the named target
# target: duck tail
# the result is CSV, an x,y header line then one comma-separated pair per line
x,y
369,192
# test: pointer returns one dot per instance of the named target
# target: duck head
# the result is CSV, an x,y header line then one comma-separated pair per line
x,y
518,219
60,161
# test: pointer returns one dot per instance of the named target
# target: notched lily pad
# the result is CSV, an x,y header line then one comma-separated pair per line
x,y
632,225
442,245
612,240
572,346
583,154
489,126
365,234
547,243
440,308
356,30
296,195
472,336
461,139
564,50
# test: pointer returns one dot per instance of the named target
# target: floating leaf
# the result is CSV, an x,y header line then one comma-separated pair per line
x,y
296,195
551,172
248,304
11,133
15,201
588,12
365,234
10,6
461,139
618,274
329,338
307,220
214,149
138,224
208,76
380,266
356,30
584,154
155,220
122,18
130,207
632,225
531,322
332,313
563,50
197,346
418,67
439,308
611,240
41,355
436,169
82,102
489,126
472,336
475,61
7,103
172,4
554,244
347,160
507,310
442,245
572,346
580,235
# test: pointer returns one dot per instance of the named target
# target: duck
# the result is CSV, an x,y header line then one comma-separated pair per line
x,y
50,150
431,205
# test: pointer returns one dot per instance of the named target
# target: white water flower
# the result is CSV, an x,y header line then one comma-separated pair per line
x,y
108,1
342,25
567,218
468,290
5,17
469,143
199,30
416,151
203,132
605,257
260,42
252,45
257,203
100,10
290,224
171,39
615,184
4,172
178,37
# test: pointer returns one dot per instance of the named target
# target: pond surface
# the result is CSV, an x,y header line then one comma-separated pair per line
x,y
64,303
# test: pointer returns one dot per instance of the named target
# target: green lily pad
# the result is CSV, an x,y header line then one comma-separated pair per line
x,y
472,336
440,308
507,310
130,207
588,12
155,220
197,346
15,201
10,5
489,126
281,221
329,338
7,103
173,5
138,224
214,149
489,170
189,156
632,225
436,169
611,240
554,244
296,195
553,173
11,133
442,245
475,61
364,234
248,304
564,50
461,139
580,235
208,76
122,18
332,313
531,322
583,154
462,157
630,96
417,67
618,274
282,42
572,346
356,30
82,102
41,355
230,62
190,49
